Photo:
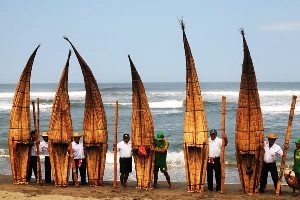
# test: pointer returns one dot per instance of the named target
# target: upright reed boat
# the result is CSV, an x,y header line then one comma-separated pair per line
x,y
19,128
249,131
195,126
60,131
142,131
95,133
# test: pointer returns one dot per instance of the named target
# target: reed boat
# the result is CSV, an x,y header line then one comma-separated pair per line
x,y
60,131
249,131
95,133
195,126
19,128
142,131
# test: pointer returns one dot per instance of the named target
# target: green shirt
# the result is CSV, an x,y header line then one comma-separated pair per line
x,y
161,157
297,163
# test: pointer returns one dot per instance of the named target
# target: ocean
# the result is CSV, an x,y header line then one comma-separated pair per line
x,y
167,104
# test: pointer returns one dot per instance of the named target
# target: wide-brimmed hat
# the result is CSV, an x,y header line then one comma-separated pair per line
x,y
76,134
160,135
44,134
297,140
272,136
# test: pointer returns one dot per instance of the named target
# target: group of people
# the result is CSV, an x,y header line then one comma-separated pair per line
x,y
78,154
124,148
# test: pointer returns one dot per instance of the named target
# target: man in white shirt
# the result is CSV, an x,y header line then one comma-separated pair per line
x,y
272,150
33,157
125,152
214,163
44,151
79,157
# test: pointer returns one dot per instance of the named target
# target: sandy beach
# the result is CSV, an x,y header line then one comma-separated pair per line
x,y
45,192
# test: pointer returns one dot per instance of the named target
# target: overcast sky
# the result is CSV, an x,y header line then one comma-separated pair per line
x,y
105,32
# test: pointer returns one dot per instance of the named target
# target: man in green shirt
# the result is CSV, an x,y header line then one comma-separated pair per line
x,y
296,167
161,149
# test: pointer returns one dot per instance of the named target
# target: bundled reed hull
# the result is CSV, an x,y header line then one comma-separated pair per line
x,y
195,126
142,131
249,132
19,129
60,131
95,133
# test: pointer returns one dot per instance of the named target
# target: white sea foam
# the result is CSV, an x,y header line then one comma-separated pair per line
x,y
166,104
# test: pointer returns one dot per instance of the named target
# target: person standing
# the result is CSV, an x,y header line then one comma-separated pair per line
x,y
214,161
272,150
125,153
79,157
161,149
296,167
33,157
44,151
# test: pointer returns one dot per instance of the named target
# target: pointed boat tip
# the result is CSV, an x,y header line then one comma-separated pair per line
x,y
182,23
70,52
242,31
66,38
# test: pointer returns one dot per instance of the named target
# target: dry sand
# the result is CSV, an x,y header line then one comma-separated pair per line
x,y
50,192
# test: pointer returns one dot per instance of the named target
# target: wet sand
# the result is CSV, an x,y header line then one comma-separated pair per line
x,y
50,192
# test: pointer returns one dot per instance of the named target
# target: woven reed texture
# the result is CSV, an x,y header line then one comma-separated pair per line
x,y
249,132
94,123
286,144
60,131
142,131
195,126
19,128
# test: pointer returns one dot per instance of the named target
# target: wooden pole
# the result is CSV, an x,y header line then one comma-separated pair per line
x,y
286,144
36,141
115,144
223,143
39,171
73,163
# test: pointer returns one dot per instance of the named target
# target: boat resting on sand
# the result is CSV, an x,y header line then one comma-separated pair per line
x,y
249,131
142,132
60,132
95,133
19,128
195,126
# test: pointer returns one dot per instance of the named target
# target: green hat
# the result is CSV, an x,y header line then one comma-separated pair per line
x,y
297,140
160,135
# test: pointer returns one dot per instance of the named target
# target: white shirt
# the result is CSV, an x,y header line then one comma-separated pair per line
x,y
33,151
124,149
271,153
44,148
78,150
214,147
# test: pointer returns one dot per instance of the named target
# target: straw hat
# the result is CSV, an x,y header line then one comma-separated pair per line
x,y
272,136
44,134
76,134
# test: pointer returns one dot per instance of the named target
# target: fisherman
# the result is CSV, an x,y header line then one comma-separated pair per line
x,y
214,161
272,150
44,151
33,157
125,152
161,150
296,167
79,157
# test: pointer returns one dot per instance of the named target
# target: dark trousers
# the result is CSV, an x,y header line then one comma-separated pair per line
x,y
82,170
216,166
266,168
47,170
32,166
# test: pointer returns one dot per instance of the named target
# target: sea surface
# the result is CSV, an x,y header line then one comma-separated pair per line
x,y
167,104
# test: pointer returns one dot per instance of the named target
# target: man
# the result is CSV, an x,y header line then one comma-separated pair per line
x,y
125,152
44,151
79,157
33,157
272,150
296,167
214,161
161,149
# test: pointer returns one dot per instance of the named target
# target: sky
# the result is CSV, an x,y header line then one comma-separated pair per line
x,y
105,32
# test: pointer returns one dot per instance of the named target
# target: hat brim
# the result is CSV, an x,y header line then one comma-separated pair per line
x,y
272,138
159,138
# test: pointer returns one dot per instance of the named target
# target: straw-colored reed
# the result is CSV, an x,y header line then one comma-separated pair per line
x,y
19,128
60,131
142,131
195,126
249,133
95,133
